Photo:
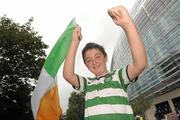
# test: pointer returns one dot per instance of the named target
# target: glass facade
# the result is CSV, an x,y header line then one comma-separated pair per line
x,y
158,23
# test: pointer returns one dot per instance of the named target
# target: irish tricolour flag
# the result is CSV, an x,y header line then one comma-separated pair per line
x,y
45,99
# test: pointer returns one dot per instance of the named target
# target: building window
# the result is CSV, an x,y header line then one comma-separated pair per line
x,y
163,108
176,102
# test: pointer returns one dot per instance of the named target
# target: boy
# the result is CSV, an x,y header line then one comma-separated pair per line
x,y
106,93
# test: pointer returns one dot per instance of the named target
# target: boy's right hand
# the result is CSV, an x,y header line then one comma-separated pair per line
x,y
77,33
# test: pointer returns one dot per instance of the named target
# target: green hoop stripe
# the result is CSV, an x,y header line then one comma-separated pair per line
x,y
111,117
107,100
101,86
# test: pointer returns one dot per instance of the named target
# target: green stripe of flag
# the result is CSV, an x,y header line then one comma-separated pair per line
x,y
59,51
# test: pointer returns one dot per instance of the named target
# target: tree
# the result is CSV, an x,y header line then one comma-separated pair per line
x,y
140,105
76,107
22,56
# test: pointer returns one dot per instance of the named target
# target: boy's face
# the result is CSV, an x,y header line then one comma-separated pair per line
x,y
95,61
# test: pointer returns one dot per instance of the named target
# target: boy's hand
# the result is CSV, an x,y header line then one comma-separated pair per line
x,y
77,33
120,16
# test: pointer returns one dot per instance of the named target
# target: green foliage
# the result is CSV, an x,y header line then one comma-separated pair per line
x,y
76,107
141,104
21,58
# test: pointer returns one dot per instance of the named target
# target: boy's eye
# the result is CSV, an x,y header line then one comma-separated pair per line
x,y
98,56
88,61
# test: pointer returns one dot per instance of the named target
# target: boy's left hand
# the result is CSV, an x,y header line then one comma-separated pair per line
x,y
120,16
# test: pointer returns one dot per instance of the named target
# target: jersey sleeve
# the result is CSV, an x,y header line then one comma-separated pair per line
x,y
124,78
81,82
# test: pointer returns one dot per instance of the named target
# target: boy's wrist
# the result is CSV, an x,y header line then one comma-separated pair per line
x,y
129,26
76,40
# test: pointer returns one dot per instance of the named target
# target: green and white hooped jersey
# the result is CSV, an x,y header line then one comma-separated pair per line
x,y
106,98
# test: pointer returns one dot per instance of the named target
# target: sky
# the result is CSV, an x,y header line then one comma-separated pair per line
x,y
51,17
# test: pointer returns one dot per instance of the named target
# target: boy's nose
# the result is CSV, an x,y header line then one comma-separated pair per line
x,y
93,62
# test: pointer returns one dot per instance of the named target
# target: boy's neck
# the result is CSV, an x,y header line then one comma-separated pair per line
x,y
103,74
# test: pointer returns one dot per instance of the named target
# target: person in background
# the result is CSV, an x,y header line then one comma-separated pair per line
x,y
141,118
177,114
137,117
106,93
157,115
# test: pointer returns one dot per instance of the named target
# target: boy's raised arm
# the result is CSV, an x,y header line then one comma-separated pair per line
x,y
121,17
69,64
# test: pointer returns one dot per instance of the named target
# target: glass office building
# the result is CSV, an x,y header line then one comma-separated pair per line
x,y
158,23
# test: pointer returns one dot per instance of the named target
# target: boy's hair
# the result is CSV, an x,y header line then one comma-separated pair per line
x,y
92,45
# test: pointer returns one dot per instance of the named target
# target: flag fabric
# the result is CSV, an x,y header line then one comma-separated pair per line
x,y
45,98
